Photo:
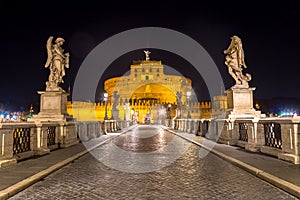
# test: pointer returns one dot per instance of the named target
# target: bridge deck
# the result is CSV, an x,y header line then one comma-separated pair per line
x,y
12,177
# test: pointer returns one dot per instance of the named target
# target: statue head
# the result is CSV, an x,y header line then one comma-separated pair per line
x,y
59,40
236,41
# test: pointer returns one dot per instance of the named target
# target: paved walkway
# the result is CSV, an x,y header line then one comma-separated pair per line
x,y
282,174
17,177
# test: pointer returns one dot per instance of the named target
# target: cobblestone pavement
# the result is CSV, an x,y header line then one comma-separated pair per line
x,y
184,176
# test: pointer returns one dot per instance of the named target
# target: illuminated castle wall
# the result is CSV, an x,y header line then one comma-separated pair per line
x,y
89,111
146,91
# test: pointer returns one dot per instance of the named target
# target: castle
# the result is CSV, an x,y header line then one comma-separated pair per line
x,y
147,92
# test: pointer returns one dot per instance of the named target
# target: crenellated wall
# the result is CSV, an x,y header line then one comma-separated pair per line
x,y
88,111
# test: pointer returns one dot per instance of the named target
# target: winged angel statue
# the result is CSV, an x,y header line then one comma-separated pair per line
x,y
57,61
235,62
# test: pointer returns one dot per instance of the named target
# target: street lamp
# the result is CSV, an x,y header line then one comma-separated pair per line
x,y
179,105
188,95
105,99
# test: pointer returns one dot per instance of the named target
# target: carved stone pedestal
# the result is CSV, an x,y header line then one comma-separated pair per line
x,y
239,110
53,112
115,114
53,105
240,103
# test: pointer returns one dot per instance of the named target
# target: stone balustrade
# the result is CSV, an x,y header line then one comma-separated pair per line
x,y
23,140
93,129
195,126
278,137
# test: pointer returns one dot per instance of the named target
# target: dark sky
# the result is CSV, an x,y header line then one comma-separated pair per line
x,y
270,36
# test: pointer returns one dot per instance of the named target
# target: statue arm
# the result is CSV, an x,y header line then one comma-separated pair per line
x,y
58,51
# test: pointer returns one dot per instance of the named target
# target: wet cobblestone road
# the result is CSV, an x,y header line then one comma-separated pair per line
x,y
149,163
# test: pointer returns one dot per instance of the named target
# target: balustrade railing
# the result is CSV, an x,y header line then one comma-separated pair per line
x,y
272,132
243,134
205,126
51,135
21,140
274,136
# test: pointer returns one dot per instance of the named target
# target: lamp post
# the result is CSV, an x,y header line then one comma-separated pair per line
x,y
179,105
105,99
188,95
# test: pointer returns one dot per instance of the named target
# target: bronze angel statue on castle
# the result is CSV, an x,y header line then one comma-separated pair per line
x,y
57,61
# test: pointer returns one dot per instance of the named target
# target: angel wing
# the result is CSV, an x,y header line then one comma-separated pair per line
x,y
49,52
243,59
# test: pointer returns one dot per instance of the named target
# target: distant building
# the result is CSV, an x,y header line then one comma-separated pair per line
x,y
146,92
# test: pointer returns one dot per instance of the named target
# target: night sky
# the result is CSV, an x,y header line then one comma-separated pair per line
x,y
270,36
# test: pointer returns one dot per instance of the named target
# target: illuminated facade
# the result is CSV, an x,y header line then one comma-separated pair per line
x,y
147,92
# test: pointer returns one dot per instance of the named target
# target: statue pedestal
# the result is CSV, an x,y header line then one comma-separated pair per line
x,y
115,114
53,113
53,104
239,110
240,103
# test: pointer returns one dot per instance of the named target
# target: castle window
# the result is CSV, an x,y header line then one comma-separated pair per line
x,y
135,70
147,77
157,74
143,70
157,70
150,69
135,75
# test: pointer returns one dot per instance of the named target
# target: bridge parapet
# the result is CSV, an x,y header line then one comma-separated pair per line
x,y
195,126
23,140
278,137
93,129
19,141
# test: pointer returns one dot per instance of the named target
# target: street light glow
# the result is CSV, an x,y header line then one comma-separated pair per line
x,y
188,93
105,99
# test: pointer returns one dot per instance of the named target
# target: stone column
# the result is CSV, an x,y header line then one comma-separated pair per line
x,y
82,131
196,125
68,134
6,146
253,142
41,136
